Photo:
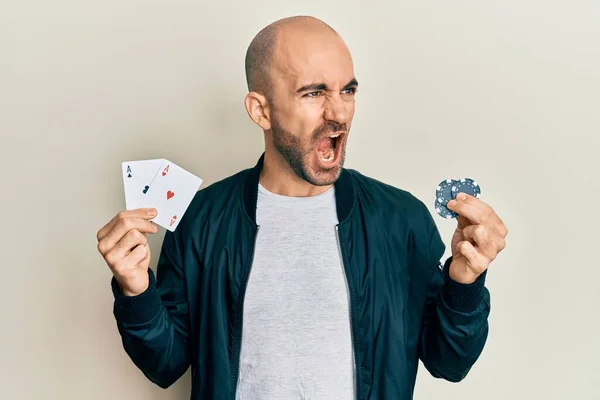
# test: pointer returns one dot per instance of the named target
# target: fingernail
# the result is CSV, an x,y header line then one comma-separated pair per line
x,y
152,212
462,196
452,203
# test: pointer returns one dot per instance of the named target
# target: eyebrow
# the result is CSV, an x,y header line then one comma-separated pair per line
x,y
322,86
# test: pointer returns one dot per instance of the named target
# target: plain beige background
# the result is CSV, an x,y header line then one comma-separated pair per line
x,y
503,92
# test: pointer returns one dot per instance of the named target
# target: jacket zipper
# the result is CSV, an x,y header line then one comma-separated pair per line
x,y
239,322
350,313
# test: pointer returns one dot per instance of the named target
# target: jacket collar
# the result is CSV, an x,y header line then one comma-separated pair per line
x,y
344,190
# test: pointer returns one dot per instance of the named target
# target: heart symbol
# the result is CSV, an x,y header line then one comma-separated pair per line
x,y
170,194
164,173
146,189
173,220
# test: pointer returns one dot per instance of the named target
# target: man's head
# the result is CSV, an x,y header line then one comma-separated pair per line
x,y
301,93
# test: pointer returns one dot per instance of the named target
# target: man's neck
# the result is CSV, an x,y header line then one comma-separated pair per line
x,y
278,177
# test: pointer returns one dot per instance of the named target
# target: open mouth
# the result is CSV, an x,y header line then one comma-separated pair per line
x,y
328,148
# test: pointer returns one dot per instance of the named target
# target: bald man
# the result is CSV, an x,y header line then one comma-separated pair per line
x,y
298,278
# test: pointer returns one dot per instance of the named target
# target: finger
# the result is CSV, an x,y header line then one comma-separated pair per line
x,y
147,256
131,261
470,213
134,258
463,222
131,240
500,228
120,229
473,201
475,260
147,253
143,213
487,242
473,209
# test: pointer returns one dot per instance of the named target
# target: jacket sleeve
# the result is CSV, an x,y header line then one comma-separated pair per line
x,y
154,324
454,327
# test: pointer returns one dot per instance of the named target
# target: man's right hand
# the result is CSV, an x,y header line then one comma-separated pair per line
x,y
124,246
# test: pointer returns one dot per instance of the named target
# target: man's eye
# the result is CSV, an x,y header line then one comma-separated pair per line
x,y
311,94
318,93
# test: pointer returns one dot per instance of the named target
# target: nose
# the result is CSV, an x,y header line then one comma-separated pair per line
x,y
337,109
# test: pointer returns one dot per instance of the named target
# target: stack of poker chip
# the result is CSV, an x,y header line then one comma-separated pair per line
x,y
448,190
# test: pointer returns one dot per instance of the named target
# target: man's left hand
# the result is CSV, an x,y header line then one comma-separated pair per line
x,y
479,237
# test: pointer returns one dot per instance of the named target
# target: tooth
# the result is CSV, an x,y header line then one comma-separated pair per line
x,y
334,136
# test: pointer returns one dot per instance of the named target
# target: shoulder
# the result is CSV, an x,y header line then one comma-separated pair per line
x,y
213,201
387,198
220,191
397,210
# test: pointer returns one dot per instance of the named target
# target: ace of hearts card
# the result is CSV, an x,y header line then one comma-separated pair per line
x,y
171,192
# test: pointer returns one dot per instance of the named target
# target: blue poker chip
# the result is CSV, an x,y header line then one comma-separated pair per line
x,y
443,211
443,192
465,185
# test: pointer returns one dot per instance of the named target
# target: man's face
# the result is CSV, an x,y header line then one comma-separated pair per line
x,y
312,105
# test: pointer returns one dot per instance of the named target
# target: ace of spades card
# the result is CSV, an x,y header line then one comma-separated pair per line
x,y
171,192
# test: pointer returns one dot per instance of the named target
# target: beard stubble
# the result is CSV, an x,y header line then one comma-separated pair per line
x,y
299,155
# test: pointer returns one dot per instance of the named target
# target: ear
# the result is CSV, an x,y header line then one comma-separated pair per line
x,y
257,107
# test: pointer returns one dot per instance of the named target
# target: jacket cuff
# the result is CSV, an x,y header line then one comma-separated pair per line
x,y
462,297
139,309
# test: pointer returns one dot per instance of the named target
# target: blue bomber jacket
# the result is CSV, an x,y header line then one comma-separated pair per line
x,y
404,307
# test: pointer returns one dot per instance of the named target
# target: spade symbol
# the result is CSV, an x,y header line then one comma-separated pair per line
x,y
146,189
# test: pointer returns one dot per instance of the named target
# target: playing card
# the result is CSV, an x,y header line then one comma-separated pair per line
x,y
137,178
171,192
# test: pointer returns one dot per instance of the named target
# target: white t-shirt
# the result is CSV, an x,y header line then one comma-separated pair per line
x,y
296,337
